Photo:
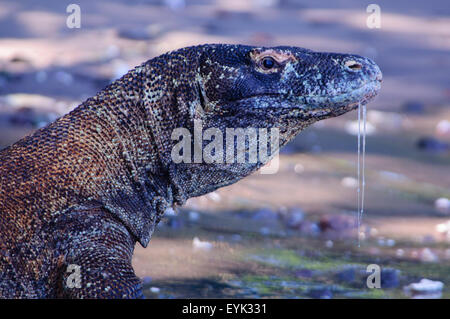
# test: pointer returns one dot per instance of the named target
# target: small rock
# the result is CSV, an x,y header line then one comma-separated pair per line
x,y
381,242
427,255
295,218
197,244
214,196
390,242
299,168
399,252
373,232
425,289
443,128
442,205
193,216
349,182
443,228
155,290
309,228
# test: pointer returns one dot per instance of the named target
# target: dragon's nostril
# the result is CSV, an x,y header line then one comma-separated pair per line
x,y
353,65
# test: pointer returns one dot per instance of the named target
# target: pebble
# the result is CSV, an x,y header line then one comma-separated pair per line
x,y
399,252
349,182
299,168
427,255
329,244
442,205
443,128
295,218
214,196
444,229
309,228
155,290
390,242
193,216
197,244
425,289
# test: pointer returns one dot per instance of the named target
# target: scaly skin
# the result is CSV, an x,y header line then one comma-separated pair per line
x,y
83,190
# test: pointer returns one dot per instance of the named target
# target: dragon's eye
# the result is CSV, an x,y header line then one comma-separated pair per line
x,y
268,62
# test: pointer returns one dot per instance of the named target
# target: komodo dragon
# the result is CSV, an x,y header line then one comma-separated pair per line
x,y
77,195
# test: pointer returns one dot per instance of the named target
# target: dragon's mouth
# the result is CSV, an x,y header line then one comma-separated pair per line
x,y
309,106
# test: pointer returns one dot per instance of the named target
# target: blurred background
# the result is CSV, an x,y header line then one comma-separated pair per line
x,y
290,234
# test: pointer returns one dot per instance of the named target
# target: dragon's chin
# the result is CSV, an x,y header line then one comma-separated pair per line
x,y
340,104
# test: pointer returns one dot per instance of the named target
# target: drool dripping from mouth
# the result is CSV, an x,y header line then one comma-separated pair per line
x,y
361,168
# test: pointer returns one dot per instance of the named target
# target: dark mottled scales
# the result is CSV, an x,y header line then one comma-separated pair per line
x,y
83,190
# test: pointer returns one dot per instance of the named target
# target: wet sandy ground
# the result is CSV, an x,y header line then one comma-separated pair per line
x,y
285,235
